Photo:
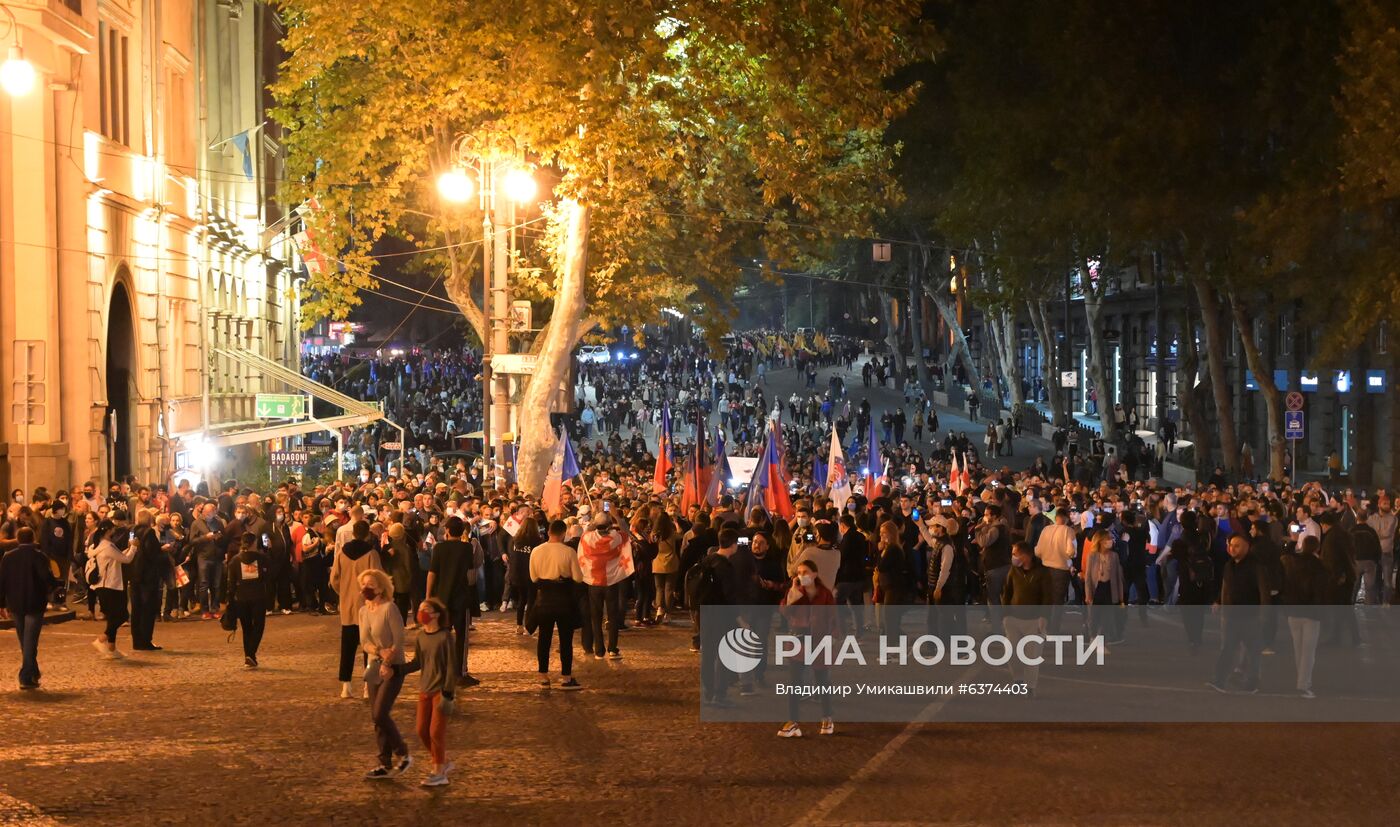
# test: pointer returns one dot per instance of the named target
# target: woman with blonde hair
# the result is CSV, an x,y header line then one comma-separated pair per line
x,y
381,638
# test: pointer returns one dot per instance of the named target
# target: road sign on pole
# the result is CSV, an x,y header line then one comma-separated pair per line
x,y
1293,425
1293,401
280,406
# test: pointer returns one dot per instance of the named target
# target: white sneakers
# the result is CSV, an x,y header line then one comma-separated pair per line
x,y
792,730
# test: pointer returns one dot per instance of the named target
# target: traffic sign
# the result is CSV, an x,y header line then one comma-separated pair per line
x,y
1293,401
288,458
279,406
1293,425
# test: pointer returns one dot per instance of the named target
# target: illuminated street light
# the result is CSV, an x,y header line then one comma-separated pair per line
x,y
455,186
520,186
17,75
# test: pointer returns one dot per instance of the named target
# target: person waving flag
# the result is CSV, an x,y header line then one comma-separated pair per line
x,y
664,461
838,483
872,456
563,468
719,474
767,489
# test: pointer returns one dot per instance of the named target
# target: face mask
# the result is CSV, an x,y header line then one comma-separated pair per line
x,y
368,593
807,579
424,618
281,517
803,521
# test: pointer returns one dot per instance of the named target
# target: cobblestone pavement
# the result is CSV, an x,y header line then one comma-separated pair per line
x,y
187,736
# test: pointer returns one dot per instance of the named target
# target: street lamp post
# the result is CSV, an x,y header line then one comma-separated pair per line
x,y
499,169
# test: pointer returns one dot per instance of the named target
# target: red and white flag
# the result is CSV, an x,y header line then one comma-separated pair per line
x,y
606,558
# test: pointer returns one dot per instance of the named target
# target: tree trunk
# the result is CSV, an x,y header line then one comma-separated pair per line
x,y
1220,386
1093,310
918,266
1188,397
961,352
891,318
1264,377
1002,324
1050,367
537,439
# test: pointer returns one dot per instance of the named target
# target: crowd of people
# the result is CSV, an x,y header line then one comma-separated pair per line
x,y
407,559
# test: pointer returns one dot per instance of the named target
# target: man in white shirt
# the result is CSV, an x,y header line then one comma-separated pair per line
x,y
1056,549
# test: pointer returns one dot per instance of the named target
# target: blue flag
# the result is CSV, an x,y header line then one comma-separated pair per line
x,y
240,142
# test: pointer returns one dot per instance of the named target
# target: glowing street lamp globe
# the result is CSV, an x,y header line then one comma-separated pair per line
x,y
520,186
455,186
17,75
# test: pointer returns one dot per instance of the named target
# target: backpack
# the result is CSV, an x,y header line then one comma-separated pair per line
x,y
702,584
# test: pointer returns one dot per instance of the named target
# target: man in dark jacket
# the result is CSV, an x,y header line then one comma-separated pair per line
x,y
1303,592
57,543
148,572
1244,587
1026,598
851,575
1339,557
994,540
25,582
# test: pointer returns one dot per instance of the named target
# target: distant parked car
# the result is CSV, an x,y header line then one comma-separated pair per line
x,y
597,354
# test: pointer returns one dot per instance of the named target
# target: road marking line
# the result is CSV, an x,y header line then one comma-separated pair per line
x,y
839,795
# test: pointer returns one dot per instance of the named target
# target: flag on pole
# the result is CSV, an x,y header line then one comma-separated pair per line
x,y
719,473
881,484
563,468
872,454
818,472
767,489
697,469
954,476
664,461
837,482
510,453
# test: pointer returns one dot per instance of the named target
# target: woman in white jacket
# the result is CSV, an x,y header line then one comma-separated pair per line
x,y
107,555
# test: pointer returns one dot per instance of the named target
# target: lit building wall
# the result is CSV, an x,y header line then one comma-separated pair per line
x,y
128,246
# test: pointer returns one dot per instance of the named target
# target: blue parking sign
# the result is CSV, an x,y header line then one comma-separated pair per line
x,y
1292,424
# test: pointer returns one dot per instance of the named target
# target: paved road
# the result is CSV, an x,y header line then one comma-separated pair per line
x,y
188,736
784,382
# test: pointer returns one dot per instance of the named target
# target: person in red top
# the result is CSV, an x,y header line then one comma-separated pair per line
x,y
809,607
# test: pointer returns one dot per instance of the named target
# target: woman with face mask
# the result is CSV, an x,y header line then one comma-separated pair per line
x,y
382,640
433,649
810,610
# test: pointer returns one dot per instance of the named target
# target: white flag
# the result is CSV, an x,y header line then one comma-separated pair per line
x,y
838,482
